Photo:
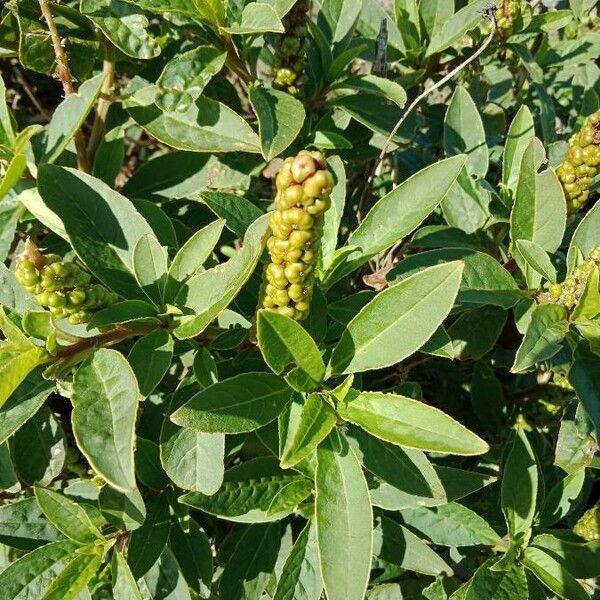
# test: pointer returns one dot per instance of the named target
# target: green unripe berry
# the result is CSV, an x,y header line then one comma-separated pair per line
x,y
555,290
76,297
303,167
42,298
56,300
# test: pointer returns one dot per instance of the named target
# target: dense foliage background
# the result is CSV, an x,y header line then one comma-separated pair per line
x,y
430,430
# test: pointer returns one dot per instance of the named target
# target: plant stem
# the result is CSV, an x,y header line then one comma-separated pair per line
x,y
106,97
65,77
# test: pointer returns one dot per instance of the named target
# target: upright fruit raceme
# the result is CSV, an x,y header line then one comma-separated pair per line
x,y
580,167
290,52
64,288
505,15
588,526
303,188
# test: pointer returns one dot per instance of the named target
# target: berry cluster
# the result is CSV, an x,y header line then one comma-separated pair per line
x,y
505,15
303,188
588,526
570,290
63,288
580,167
290,54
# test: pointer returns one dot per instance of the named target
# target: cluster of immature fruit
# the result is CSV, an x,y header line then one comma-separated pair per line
x,y
303,188
506,13
64,288
588,526
570,290
289,64
582,164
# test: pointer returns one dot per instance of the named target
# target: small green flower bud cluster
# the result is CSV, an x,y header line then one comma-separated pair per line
x,y
505,15
588,526
569,291
289,65
63,288
303,188
582,164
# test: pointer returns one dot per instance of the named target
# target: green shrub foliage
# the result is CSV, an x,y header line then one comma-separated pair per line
x,y
299,300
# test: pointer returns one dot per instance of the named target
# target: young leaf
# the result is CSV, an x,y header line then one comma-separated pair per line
x,y
242,403
105,401
464,133
585,237
280,119
537,258
315,421
581,560
67,516
519,134
192,255
344,520
150,358
552,574
255,491
410,423
284,342
398,321
509,584
519,486
150,267
543,337
257,17
301,575
209,293
124,586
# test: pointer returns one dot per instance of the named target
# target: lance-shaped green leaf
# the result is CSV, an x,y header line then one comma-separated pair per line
x,y
147,543
344,520
399,212
300,577
74,578
506,584
560,497
7,134
284,343
251,565
29,577
253,492
585,237
210,292
206,126
543,337
14,171
67,516
519,485
553,574
313,424
23,525
16,362
124,25
124,586
150,267
23,403
464,132
539,211
581,560
105,401
186,75
192,255
397,545
409,423
68,118
103,230
451,525
584,376
536,258
125,510
257,17
398,321
238,404
280,119
519,134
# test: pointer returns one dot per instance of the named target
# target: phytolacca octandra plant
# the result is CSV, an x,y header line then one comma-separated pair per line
x,y
580,167
64,288
303,188
290,52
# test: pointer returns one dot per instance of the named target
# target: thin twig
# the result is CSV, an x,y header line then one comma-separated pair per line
x,y
430,89
106,98
27,89
64,75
